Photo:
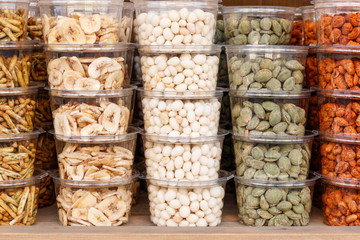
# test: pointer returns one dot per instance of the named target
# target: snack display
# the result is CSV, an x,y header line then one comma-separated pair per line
x,y
271,67
187,204
273,158
180,68
277,204
256,25
13,20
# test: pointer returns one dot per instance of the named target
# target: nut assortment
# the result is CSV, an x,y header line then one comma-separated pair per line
x,y
175,27
95,206
100,162
180,71
185,207
181,117
86,119
265,73
73,73
13,24
79,28
274,162
273,206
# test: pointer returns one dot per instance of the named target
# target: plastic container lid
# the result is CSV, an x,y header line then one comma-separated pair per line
x,y
259,10
19,91
267,94
118,93
118,47
268,49
89,3
103,139
345,139
35,180
224,176
308,9
18,45
313,177
342,94
336,3
14,1
20,136
341,182
182,94
207,49
338,49
309,137
177,4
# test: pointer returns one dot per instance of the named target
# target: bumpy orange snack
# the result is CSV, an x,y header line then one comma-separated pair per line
x,y
297,34
309,32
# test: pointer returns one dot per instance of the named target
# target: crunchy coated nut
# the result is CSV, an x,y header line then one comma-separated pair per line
x,y
105,206
46,193
82,119
313,114
13,24
15,71
17,114
309,32
297,34
311,69
72,73
98,162
341,205
18,205
79,28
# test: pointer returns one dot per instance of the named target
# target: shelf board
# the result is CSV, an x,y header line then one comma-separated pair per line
x,y
48,227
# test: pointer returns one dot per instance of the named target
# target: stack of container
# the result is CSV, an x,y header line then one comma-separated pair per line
x,y
181,108
88,74
269,114
338,57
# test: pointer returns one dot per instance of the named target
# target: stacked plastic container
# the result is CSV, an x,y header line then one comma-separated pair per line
x,y
338,100
88,65
269,114
181,108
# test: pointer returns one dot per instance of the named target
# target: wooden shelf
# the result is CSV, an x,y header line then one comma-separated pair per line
x,y
48,227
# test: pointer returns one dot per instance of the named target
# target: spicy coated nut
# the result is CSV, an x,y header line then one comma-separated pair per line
x,y
13,24
297,34
341,205
309,32
311,70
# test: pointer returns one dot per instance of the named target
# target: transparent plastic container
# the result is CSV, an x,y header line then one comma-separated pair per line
x,y
43,108
275,204
183,158
187,204
138,167
266,67
46,192
38,71
18,109
254,25
340,201
15,62
337,22
220,28
338,67
20,200
269,113
89,67
339,156
271,158
106,112
93,203
81,22
338,112
188,113
297,35
34,24
309,25
96,158
311,68
45,148
14,23
175,22
127,22
180,68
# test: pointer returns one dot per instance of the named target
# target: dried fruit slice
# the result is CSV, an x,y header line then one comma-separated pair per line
x,y
87,84
75,172
86,201
103,65
91,130
69,29
110,118
90,24
70,78
112,207
98,218
61,124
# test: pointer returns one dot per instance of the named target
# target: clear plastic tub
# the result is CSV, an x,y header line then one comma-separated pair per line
x,y
266,67
93,203
43,108
340,201
183,158
338,67
89,67
220,28
15,62
106,112
273,158
297,35
96,158
311,68
254,25
38,71
127,22
18,155
18,109
46,192
14,16
45,148
339,112
339,156
175,114
337,22
19,201
267,113
187,204
81,22
309,25
175,22
180,68
276,204
34,24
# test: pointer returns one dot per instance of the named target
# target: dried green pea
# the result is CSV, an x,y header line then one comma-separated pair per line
x,y
265,24
263,75
254,38
273,196
244,26
273,84
276,27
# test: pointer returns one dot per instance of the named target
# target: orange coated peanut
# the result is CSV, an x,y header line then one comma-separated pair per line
x,y
309,32
296,34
